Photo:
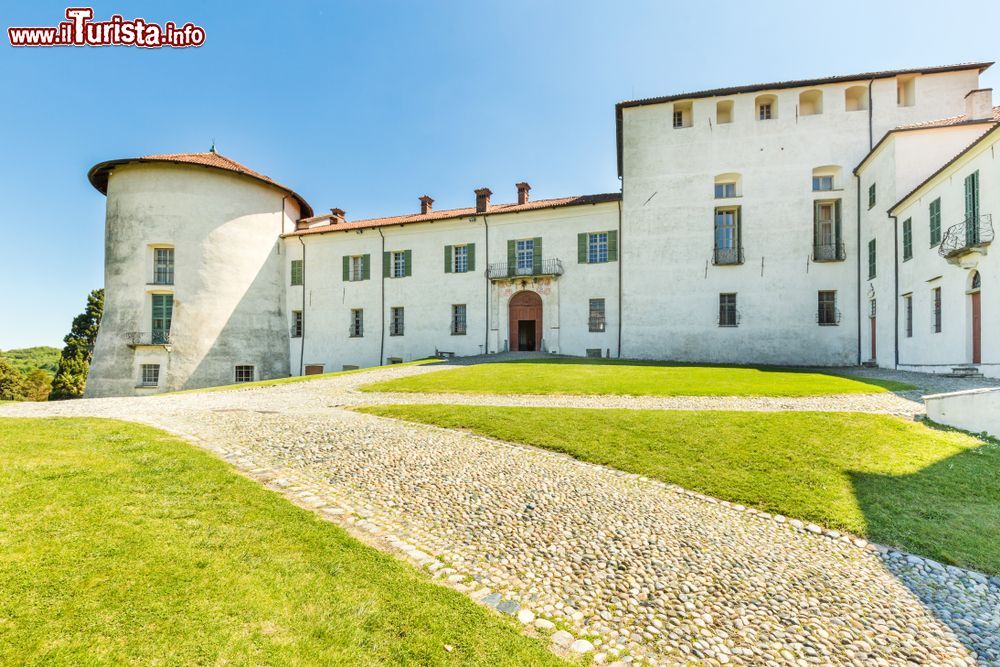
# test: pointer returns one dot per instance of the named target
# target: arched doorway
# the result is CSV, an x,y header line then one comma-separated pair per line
x,y
977,319
525,321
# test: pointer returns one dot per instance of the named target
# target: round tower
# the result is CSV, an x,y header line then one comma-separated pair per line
x,y
194,274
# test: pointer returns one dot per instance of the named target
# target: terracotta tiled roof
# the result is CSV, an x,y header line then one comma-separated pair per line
x,y
454,213
947,122
98,175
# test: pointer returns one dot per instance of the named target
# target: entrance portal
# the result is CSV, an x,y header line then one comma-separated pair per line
x,y
525,322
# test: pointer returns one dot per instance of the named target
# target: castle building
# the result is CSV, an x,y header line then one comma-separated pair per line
x,y
824,222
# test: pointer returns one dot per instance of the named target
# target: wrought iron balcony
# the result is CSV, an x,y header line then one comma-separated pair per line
x,y
725,256
973,232
829,252
504,270
139,338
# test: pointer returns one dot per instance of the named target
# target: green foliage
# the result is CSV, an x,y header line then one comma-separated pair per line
x,y
74,363
37,385
123,545
27,358
632,378
11,382
896,482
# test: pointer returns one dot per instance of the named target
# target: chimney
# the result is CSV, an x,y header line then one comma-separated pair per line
x,y
979,104
483,199
426,205
522,193
336,216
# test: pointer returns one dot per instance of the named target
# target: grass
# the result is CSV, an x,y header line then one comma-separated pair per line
x,y
300,378
928,490
633,378
120,544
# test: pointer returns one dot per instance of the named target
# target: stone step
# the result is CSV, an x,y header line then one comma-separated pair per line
x,y
965,372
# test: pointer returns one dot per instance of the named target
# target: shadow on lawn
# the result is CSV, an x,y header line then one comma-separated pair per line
x,y
949,511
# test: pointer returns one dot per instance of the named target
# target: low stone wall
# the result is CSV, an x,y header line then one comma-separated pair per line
x,y
976,410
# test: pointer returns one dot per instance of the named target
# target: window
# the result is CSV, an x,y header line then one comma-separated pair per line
x,y
150,375
163,266
725,190
871,259
906,91
935,217
399,264
871,196
296,324
396,321
460,258
972,209
724,112
827,243
936,309
811,103
856,98
525,256
244,373
764,111
163,309
907,239
728,317
296,272
357,268
678,118
597,247
596,319
458,319
727,236
357,329
683,114
828,314
767,107
908,314
822,183
461,255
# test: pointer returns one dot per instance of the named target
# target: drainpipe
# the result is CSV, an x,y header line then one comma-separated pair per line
x,y
620,260
871,112
302,338
895,291
857,257
381,345
486,227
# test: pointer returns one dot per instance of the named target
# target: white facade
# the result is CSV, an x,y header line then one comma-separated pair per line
x,y
740,236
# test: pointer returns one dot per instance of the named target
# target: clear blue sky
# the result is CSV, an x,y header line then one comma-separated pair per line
x,y
368,105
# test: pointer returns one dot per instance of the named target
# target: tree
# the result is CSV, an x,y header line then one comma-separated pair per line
x,y
37,385
74,363
11,382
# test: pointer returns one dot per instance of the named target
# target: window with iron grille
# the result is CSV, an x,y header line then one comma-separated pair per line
x,y
398,264
296,272
725,190
728,316
163,266
460,255
296,324
597,247
727,236
907,239
244,373
908,314
357,322
936,309
458,319
822,183
396,321
596,319
150,375
871,259
827,315
872,308
935,218
871,196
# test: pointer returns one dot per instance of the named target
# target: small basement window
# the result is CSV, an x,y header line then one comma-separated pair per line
x,y
244,373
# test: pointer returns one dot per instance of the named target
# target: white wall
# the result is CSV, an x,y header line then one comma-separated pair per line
x,y
977,410
228,306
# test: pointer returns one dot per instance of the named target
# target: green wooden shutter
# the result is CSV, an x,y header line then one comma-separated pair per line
x,y
366,267
386,259
470,254
815,223
511,258
536,258
408,262
581,248
296,272
347,268
837,235
613,245
447,259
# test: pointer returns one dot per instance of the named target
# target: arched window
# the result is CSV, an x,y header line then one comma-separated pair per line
x,y
826,178
811,103
766,107
976,280
724,112
856,98
728,186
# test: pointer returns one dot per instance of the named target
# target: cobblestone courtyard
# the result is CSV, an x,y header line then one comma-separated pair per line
x,y
622,566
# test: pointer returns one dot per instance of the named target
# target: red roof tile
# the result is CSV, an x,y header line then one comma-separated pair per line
x,y
454,213
948,122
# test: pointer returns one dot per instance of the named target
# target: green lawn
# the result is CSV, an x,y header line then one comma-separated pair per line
x,y
928,490
120,544
579,376
301,378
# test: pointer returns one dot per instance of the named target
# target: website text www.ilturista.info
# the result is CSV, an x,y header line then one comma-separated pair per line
x,y
80,30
